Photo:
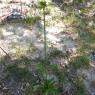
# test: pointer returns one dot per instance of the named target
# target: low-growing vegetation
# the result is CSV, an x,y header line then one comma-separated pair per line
x,y
47,48
80,61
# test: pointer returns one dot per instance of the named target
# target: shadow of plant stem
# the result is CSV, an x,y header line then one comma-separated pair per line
x,y
5,52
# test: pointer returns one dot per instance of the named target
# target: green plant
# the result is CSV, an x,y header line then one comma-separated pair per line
x,y
56,70
31,48
80,61
29,90
41,68
51,80
18,73
80,1
80,87
47,11
26,61
34,88
71,19
50,73
55,53
32,20
48,87
19,52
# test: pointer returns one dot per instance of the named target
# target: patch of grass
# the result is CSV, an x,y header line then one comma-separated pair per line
x,y
48,87
29,90
55,69
26,61
19,52
31,48
80,61
52,69
88,37
56,18
41,68
32,20
80,87
55,53
72,30
85,48
18,73
87,40
71,19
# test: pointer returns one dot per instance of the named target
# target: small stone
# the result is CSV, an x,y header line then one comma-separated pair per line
x,y
5,89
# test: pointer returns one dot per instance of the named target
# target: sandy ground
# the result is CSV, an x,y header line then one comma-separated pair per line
x,y
19,36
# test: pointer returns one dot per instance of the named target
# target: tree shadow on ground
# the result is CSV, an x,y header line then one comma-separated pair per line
x,y
16,72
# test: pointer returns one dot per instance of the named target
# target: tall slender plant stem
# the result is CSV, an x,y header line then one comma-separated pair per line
x,y
21,5
45,39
